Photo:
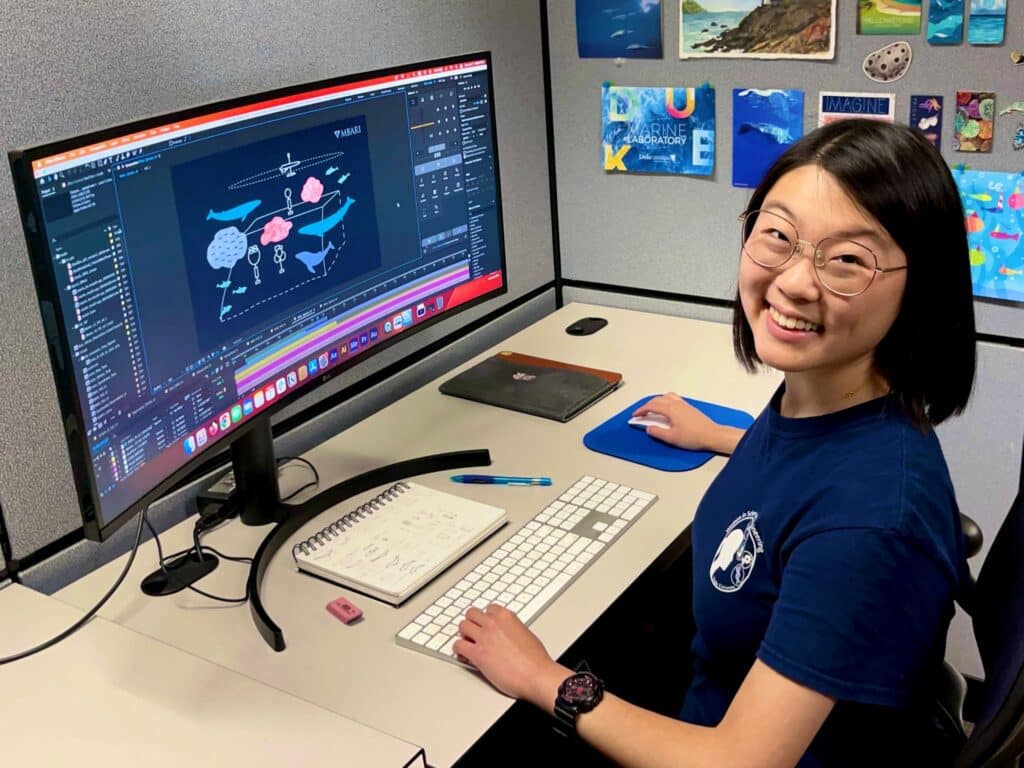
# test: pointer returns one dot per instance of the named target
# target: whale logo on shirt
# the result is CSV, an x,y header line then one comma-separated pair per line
x,y
736,555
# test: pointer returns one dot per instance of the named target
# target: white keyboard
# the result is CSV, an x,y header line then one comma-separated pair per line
x,y
529,570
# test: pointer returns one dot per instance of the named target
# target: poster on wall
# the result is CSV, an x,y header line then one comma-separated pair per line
x,y
994,215
973,123
840,105
986,22
658,130
764,123
612,29
759,29
889,17
945,22
926,116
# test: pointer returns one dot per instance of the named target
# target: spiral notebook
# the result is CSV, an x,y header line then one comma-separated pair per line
x,y
393,545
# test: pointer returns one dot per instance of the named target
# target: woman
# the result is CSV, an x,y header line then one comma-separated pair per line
x,y
827,552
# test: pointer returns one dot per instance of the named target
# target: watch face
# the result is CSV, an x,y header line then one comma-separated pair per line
x,y
580,688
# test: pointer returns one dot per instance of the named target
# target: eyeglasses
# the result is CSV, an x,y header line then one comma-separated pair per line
x,y
844,267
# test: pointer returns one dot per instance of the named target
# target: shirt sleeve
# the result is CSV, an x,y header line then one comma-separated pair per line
x,y
861,615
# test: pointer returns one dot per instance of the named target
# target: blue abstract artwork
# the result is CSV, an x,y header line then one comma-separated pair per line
x,y
945,22
658,130
610,29
764,123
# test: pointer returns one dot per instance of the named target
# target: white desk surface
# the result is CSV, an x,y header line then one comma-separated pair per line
x,y
358,670
108,696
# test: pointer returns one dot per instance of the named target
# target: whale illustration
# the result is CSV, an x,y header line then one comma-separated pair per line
x,y
313,259
320,228
772,132
238,213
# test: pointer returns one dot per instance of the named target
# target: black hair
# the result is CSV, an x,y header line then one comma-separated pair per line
x,y
895,175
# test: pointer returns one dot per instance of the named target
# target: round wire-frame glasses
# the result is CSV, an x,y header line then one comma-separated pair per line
x,y
843,267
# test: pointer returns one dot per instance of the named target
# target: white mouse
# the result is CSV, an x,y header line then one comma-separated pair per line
x,y
649,420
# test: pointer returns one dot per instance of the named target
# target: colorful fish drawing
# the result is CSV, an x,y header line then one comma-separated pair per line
x,y
313,259
1005,270
995,234
983,197
238,213
320,228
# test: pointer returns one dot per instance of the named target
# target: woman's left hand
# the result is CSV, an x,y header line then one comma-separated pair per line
x,y
509,655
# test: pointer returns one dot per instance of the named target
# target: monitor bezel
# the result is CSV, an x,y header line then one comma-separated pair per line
x,y
68,396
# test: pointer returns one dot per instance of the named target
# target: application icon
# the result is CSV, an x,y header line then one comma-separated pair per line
x,y
323,360
225,420
407,317
439,302
387,326
303,373
257,399
214,429
236,413
363,339
201,437
281,385
247,406
293,378
373,334
421,310
397,322
353,345
334,355
269,393
190,445
312,366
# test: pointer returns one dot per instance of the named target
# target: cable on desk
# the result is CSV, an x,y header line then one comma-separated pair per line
x,y
284,460
92,611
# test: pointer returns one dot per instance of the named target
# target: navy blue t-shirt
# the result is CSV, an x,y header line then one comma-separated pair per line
x,y
829,548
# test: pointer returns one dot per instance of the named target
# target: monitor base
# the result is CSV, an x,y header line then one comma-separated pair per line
x,y
178,574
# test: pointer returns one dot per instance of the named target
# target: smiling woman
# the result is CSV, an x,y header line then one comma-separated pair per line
x,y
827,551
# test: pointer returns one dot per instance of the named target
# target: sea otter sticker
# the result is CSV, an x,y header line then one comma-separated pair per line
x,y
737,554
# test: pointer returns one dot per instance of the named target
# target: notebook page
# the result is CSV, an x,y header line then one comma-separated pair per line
x,y
406,539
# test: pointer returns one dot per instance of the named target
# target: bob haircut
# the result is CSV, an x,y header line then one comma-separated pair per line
x,y
901,181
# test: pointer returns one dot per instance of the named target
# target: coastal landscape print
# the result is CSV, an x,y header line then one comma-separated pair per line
x,y
612,29
889,17
760,29
986,23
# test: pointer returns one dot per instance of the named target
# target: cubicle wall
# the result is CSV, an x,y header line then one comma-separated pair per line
x,y
672,243
79,66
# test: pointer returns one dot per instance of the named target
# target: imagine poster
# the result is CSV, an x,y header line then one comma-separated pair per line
x,y
761,29
994,215
840,105
610,29
889,17
658,130
764,123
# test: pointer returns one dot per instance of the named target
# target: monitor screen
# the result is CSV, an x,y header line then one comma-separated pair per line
x,y
200,269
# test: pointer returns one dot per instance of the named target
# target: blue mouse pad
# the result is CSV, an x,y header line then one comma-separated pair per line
x,y
616,438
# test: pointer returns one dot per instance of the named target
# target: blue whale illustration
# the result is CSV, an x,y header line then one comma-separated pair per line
x,y
238,213
320,228
771,132
314,258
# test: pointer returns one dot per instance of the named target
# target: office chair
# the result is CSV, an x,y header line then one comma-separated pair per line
x,y
995,603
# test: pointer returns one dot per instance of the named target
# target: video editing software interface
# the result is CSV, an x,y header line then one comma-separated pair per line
x,y
208,266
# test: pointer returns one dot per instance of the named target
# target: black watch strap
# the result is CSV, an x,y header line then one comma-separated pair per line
x,y
579,693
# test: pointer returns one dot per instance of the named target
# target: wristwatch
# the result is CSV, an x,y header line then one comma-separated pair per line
x,y
578,693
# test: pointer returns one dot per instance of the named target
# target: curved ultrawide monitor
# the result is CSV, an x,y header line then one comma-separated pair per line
x,y
200,269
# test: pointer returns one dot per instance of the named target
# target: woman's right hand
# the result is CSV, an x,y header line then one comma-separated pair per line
x,y
688,427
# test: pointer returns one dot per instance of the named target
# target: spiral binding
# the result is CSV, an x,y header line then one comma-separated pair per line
x,y
325,535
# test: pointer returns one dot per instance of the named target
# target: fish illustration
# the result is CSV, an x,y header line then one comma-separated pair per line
x,y
320,228
314,259
224,285
225,309
330,170
238,213
617,33
343,179
637,47
239,289
995,234
1005,270
982,196
773,132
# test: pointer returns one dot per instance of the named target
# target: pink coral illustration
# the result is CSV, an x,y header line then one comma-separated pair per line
x,y
312,190
275,231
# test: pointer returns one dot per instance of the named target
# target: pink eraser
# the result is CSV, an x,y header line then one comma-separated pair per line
x,y
344,610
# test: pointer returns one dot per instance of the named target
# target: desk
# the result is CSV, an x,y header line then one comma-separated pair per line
x,y
358,671
108,696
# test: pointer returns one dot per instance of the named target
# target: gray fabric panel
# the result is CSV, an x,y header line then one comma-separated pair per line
x,y
679,234
77,560
644,304
78,66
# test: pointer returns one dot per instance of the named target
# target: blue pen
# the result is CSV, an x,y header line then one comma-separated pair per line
x,y
501,480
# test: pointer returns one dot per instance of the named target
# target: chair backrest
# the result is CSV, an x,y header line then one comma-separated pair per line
x,y
997,610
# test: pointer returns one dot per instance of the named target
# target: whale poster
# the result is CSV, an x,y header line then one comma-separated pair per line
x,y
764,123
757,29
612,29
994,216
658,130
